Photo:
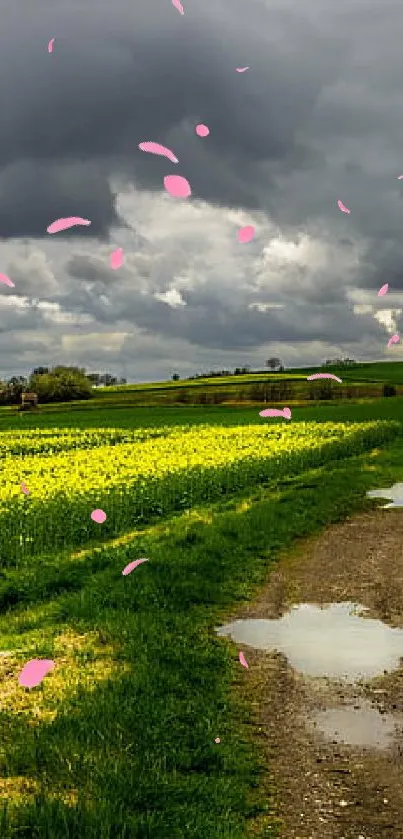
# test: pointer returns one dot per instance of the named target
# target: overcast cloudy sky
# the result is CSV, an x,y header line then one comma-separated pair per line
x,y
318,117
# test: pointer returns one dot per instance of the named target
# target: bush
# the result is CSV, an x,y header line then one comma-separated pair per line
x,y
61,384
389,390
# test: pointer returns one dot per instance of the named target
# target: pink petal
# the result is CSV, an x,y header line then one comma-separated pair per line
x,y
98,516
393,340
178,6
275,412
217,740
246,234
383,290
24,488
202,130
132,565
342,207
50,45
241,69
324,376
156,148
400,177
34,671
6,280
116,259
65,223
243,661
177,186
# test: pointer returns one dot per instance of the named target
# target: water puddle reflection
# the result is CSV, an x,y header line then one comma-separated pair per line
x,y
395,493
335,641
358,725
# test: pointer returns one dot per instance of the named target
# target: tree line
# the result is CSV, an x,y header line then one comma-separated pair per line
x,y
274,364
56,384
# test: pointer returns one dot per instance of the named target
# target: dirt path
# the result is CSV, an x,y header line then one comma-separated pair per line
x,y
327,790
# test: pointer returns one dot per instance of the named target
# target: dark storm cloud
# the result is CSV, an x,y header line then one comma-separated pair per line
x,y
318,117
33,194
225,323
117,77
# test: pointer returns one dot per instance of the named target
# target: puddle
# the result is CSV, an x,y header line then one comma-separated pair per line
x,y
333,641
395,493
358,725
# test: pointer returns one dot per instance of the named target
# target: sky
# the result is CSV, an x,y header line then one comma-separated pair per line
x,y
317,118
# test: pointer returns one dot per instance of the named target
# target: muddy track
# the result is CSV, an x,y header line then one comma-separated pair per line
x,y
327,789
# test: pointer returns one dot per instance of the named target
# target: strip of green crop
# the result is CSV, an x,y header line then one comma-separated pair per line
x,y
134,482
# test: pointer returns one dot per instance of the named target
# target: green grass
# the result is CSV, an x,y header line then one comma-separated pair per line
x,y
135,756
390,372
87,417
367,378
118,742
378,371
247,378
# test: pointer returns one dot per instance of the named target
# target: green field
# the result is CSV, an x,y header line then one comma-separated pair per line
x,y
291,386
118,742
390,372
382,371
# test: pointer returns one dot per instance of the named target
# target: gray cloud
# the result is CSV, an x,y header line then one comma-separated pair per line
x,y
110,84
318,117
35,193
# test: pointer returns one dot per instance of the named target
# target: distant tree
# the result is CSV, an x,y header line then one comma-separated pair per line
x,y
10,391
333,362
241,371
39,371
94,378
14,388
275,364
109,380
105,379
175,377
61,384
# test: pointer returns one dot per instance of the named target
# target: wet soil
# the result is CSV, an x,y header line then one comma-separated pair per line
x,y
329,783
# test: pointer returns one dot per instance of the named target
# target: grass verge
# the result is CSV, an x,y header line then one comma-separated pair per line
x,y
118,741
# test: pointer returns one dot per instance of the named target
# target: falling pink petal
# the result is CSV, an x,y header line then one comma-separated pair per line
x,y
65,223
217,740
6,280
383,290
275,412
156,148
343,207
400,177
178,6
34,671
98,516
243,661
24,488
132,565
202,130
116,259
50,45
393,340
246,234
241,69
177,186
324,376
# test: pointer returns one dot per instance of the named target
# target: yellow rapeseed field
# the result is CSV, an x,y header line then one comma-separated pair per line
x,y
133,475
